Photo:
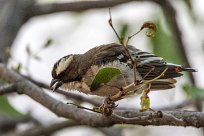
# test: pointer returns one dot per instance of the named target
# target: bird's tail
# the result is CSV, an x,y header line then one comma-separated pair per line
x,y
173,71
167,81
189,69
163,84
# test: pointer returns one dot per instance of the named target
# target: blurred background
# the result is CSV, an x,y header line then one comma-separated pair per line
x,y
42,40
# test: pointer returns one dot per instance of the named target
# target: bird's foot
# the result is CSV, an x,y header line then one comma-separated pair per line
x,y
138,82
107,107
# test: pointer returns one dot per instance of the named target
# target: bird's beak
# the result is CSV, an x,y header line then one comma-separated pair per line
x,y
55,84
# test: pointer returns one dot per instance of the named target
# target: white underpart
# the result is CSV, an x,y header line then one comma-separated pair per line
x,y
79,86
63,64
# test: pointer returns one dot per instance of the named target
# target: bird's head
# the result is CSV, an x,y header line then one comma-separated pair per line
x,y
65,70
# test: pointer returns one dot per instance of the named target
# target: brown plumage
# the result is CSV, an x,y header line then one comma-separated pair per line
x,y
78,71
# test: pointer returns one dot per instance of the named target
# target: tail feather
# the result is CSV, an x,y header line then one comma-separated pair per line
x,y
166,75
172,72
166,81
189,69
181,68
163,84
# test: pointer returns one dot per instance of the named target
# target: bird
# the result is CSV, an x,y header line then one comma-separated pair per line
x,y
78,71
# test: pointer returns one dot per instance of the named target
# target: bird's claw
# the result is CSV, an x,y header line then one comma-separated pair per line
x,y
107,107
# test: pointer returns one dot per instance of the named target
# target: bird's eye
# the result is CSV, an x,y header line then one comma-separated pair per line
x,y
78,78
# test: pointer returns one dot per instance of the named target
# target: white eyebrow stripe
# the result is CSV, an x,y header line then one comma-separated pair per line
x,y
63,64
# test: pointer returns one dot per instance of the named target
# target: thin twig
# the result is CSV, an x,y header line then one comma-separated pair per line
x,y
85,108
110,21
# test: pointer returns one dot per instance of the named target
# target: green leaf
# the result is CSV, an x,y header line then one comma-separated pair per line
x,y
6,108
145,102
103,76
124,30
164,45
193,92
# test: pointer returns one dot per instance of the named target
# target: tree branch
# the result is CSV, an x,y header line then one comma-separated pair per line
x,y
8,88
69,95
9,123
50,129
47,130
77,6
173,118
14,13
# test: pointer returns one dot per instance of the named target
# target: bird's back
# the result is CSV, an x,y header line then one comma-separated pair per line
x,y
149,66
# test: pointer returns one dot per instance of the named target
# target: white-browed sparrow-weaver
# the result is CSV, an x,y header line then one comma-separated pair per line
x,y
77,72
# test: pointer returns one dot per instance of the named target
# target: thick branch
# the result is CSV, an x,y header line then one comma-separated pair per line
x,y
47,130
69,95
8,123
173,118
76,6
50,129
5,89
14,13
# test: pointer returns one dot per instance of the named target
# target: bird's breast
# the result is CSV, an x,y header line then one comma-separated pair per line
x,y
79,86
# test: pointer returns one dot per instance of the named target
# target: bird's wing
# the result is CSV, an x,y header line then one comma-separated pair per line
x,y
154,65
149,65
